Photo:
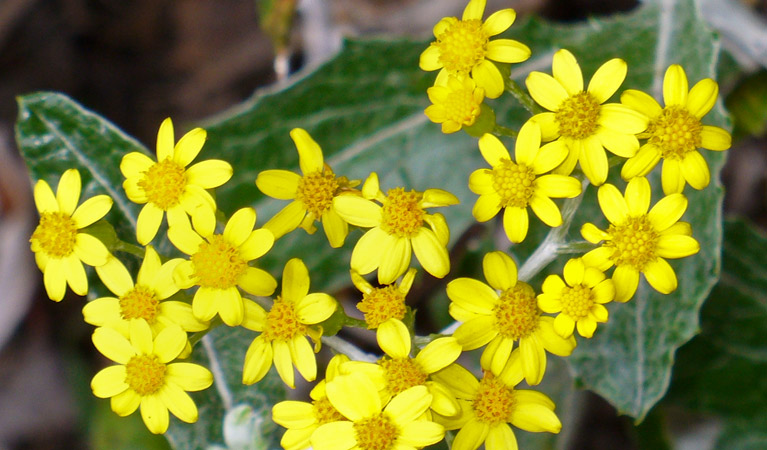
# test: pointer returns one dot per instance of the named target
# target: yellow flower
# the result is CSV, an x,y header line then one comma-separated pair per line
x,y
59,245
371,426
145,375
219,264
637,241
499,320
399,228
579,120
146,299
456,104
579,299
491,404
383,303
168,186
312,193
675,132
513,186
399,372
302,418
464,47
285,327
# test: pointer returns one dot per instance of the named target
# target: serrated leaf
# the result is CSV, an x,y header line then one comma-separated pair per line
x,y
722,370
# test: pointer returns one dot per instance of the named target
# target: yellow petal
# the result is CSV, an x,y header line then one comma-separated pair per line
x,y
671,177
366,256
641,102
394,339
624,145
258,360
287,220
612,203
354,396
476,332
695,170
357,210
471,435
315,307
303,356
189,146
715,138
113,345
486,207
667,211
702,97
429,59
68,191
558,186
661,276
507,51
309,152
335,227
395,258
593,161
677,246
109,382
500,272
637,196
45,200
515,223
474,10
165,140
431,253
545,90
501,437
567,72
607,79
642,163
209,174
179,403
334,436
498,22
528,143
626,280
439,354
148,223
154,414
546,210
283,362
489,78
473,295
675,86
279,184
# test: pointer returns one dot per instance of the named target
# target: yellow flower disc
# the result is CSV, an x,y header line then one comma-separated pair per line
x,y
514,183
217,263
139,303
402,374
634,242
164,183
382,304
145,374
577,301
402,215
325,412
494,402
56,234
578,116
675,132
376,433
516,314
462,45
282,322
316,191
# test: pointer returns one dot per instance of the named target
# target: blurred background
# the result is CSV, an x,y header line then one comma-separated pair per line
x,y
137,62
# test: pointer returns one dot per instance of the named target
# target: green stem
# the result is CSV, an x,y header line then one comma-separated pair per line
x,y
129,248
352,322
503,131
513,88
195,338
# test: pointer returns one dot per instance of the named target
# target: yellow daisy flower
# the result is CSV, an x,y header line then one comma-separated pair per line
x,y
400,227
145,375
637,241
168,186
146,299
383,303
312,193
490,405
59,245
513,186
579,120
398,372
455,105
579,299
285,327
463,47
302,418
219,264
371,426
500,319
676,133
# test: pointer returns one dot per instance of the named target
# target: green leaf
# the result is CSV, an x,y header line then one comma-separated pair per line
x,y
722,370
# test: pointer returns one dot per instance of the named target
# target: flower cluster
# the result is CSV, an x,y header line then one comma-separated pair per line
x,y
415,391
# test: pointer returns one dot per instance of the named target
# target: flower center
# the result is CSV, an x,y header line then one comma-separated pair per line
x,y
462,107
577,116
164,183
577,301
316,191
402,374
217,264
494,402
634,242
56,234
516,314
139,303
145,374
676,132
382,304
282,322
514,183
325,412
376,433
402,215
462,45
